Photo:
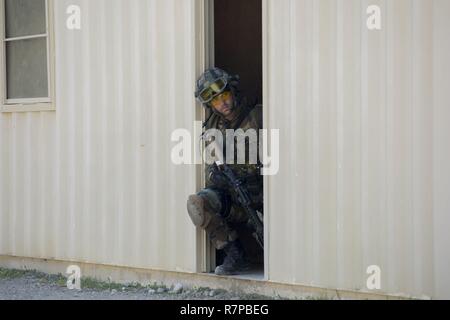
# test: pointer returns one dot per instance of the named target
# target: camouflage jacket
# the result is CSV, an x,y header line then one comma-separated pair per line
x,y
247,118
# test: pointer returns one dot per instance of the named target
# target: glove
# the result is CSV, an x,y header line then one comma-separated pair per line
x,y
215,177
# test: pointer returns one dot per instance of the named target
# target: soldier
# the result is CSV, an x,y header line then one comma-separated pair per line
x,y
215,208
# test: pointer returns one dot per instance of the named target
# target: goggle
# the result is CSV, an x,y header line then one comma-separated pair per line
x,y
221,96
216,88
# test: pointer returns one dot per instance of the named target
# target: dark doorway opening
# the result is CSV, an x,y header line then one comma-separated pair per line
x,y
238,50
238,43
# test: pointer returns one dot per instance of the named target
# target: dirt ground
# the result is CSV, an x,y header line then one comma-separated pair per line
x,y
31,285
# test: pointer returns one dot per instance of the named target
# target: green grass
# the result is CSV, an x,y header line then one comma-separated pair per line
x,y
12,274
15,274
255,296
86,282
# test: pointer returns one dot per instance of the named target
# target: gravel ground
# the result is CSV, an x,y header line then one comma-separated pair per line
x,y
31,285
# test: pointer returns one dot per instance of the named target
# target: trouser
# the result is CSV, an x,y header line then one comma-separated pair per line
x,y
222,214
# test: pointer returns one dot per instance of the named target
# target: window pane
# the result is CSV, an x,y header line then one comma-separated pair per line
x,y
25,17
26,68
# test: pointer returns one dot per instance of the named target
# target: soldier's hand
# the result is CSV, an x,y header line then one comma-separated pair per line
x,y
216,177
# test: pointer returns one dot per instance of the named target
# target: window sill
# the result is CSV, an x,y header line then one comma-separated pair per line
x,y
36,107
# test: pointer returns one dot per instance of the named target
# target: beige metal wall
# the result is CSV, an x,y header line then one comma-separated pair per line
x,y
364,176
93,181
364,122
441,150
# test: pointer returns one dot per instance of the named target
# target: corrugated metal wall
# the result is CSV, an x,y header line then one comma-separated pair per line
x,y
93,182
363,179
441,150
364,139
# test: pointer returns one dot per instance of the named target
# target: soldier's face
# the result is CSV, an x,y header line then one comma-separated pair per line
x,y
223,103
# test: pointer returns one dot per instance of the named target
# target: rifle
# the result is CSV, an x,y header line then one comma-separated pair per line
x,y
245,201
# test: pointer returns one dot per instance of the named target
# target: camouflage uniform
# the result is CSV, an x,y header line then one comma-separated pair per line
x,y
221,208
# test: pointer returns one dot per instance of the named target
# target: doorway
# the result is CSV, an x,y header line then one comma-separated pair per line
x,y
236,46
238,43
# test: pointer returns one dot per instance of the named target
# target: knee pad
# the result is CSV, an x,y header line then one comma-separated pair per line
x,y
208,203
196,207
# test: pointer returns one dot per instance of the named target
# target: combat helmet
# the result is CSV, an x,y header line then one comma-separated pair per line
x,y
213,82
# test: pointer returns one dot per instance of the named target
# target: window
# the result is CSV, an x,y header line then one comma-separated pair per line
x,y
27,56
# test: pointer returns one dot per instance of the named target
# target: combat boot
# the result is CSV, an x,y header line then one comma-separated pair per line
x,y
234,262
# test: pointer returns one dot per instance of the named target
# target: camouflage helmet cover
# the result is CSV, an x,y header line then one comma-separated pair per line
x,y
211,76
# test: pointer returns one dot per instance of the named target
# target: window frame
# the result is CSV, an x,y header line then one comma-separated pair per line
x,y
28,104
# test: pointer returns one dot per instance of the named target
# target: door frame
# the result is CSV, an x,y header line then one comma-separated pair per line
x,y
203,19
204,58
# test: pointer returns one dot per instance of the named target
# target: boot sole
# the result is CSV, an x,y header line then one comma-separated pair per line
x,y
234,273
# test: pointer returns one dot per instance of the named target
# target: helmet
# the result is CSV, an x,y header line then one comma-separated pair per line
x,y
213,82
